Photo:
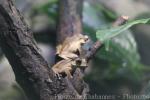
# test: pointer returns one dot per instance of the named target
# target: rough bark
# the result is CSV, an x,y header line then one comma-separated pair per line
x,y
70,19
31,70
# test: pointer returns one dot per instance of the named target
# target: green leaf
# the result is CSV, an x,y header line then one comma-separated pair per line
x,y
106,34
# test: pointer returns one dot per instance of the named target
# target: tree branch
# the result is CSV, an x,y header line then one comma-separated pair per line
x,y
70,15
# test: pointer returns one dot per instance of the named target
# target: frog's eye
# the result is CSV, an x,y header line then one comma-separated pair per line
x,y
86,38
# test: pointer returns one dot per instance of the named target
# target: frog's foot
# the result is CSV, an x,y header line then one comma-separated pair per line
x,y
58,75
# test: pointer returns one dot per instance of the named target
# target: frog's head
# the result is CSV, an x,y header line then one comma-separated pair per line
x,y
84,39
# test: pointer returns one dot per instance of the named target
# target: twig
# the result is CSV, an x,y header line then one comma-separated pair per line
x,y
98,44
120,21
93,50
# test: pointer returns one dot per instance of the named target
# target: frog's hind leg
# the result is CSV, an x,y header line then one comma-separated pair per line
x,y
68,72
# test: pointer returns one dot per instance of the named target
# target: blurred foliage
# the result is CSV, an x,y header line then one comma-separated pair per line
x,y
123,51
143,15
12,93
118,66
126,51
112,69
49,9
